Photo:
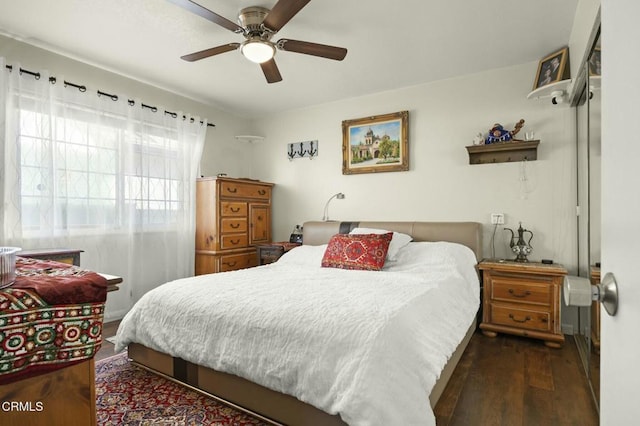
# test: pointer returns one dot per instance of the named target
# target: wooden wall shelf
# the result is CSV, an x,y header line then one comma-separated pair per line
x,y
503,152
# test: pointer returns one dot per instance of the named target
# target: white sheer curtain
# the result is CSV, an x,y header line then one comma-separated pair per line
x,y
84,171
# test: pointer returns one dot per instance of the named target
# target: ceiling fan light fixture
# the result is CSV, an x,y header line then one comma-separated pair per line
x,y
258,25
258,51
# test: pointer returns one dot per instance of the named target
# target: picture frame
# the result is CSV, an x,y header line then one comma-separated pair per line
x,y
553,68
376,144
594,62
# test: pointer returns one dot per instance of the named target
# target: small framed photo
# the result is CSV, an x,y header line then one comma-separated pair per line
x,y
376,144
594,63
553,68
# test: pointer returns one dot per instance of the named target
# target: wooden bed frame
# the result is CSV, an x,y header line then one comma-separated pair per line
x,y
275,407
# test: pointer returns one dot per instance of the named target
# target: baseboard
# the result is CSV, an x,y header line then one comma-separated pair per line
x,y
114,316
567,329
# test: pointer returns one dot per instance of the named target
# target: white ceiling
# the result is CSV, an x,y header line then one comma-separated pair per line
x,y
391,44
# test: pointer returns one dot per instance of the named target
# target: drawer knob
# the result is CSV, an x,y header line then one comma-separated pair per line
x,y
527,318
524,294
235,209
230,264
232,190
234,241
262,192
235,225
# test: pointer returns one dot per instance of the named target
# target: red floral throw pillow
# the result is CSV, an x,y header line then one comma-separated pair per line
x,y
360,251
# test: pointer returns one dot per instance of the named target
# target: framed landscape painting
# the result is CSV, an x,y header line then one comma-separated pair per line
x,y
376,144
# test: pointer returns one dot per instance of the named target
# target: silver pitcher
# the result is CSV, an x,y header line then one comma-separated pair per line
x,y
519,247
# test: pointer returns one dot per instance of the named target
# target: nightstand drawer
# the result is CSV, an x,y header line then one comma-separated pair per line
x,y
521,318
520,291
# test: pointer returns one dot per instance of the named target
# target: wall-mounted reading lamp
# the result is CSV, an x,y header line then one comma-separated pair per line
x,y
339,196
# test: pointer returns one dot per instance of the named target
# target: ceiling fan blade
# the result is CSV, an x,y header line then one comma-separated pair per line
x,y
207,14
315,49
282,12
271,71
196,56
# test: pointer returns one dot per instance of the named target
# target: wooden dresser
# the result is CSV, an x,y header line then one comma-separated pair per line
x,y
233,216
522,299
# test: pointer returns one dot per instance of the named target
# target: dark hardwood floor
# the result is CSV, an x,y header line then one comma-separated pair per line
x,y
510,380
109,329
505,381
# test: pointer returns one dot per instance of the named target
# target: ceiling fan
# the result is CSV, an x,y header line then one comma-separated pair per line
x,y
258,25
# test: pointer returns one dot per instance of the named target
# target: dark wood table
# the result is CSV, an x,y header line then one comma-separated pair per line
x,y
112,281
71,257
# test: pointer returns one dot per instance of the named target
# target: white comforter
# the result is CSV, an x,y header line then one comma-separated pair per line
x,y
367,345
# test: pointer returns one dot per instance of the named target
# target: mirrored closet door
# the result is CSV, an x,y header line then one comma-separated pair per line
x,y
588,187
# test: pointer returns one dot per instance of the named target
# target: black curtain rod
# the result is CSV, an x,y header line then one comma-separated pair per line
x,y
114,98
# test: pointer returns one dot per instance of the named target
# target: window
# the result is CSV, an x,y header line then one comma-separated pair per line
x,y
88,170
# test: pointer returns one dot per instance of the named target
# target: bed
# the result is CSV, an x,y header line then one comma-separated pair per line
x,y
298,344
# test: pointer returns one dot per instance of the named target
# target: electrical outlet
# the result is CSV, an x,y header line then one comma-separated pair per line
x,y
497,218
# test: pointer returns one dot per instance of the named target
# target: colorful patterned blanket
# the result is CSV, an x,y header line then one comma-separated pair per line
x,y
50,318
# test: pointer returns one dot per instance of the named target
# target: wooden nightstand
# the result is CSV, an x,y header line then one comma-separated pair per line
x,y
522,299
269,253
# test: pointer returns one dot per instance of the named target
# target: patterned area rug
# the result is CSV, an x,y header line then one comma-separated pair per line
x,y
129,395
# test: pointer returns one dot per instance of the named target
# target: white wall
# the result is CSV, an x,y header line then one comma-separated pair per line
x,y
441,185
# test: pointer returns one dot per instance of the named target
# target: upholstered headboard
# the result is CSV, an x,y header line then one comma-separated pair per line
x,y
466,233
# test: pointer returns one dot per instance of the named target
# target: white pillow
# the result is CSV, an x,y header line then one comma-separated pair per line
x,y
398,240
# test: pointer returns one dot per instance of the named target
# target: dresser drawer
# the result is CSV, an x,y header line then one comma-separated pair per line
x,y
233,208
238,261
521,291
234,241
232,224
530,319
244,190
